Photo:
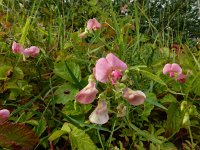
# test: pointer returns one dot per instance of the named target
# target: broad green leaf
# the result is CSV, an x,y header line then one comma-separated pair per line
x,y
151,98
17,136
56,134
148,74
65,93
80,140
5,71
72,108
61,71
174,118
148,107
169,98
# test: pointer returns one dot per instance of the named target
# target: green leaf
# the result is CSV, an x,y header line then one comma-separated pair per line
x,y
80,140
5,71
41,127
56,134
65,93
169,98
149,74
17,136
72,108
148,107
174,118
151,98
61,71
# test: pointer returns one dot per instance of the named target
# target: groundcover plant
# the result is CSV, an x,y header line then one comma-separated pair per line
x,y
92,74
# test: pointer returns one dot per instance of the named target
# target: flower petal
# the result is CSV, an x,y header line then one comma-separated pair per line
x,y
17,48
100,114
176,68
115,62
167,68
134,97
102,70
88,94
33,51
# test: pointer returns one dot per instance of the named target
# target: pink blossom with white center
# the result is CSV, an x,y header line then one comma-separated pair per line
x,y
4,114
88,94
171,69
93,24
100,114
109,69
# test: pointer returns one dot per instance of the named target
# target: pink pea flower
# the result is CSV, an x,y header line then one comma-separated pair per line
x,y
17,48
4,114
33,51
87,94
109,68
93,24
134,97
100,114
181,78
171,69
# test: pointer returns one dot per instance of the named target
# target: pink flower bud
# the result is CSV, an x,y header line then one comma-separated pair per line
x,y
87,94
33,51
100,114
93,24
134,97
181,78
115,75
4,114
17,48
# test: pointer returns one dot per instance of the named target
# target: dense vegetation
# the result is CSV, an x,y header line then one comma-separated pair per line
x,y
144,92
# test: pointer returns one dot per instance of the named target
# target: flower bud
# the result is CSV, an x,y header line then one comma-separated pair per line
x,y
4,114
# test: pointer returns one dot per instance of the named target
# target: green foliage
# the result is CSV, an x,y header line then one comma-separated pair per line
x,y
41,91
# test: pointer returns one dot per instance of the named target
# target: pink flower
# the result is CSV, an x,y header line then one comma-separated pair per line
x,y
93,24
134,97
109,68
181,78
171,69
100,114
4,114
87,94
33,51
17,48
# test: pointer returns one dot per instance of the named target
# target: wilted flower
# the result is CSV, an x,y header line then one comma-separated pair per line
x,y
181,78
134,97
33,51
4,114
171,69
87,94
109,68
100,114
17,48
121,110
93,24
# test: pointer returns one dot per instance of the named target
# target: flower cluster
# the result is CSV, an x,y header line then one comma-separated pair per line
x,y
92,25
174,70
107,70
32,51
4,114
